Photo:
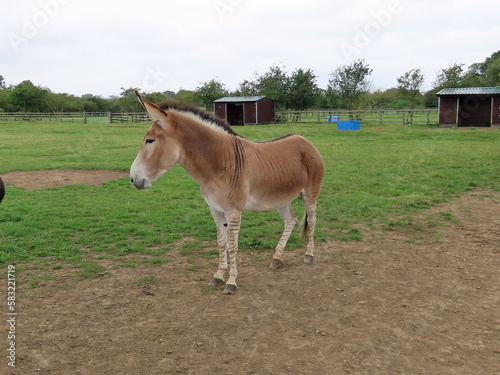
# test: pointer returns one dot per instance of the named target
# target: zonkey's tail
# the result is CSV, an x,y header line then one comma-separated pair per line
x,y
304,228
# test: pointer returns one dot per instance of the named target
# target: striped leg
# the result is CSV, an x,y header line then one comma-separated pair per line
x,y
311,223
290,220
233,229
310,197
221,224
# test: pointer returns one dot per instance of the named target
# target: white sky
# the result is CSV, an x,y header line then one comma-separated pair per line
x,y
97,47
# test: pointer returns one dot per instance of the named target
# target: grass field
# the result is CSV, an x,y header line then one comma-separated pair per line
x,y
373,178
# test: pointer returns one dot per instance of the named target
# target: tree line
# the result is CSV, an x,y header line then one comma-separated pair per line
x,y
349,87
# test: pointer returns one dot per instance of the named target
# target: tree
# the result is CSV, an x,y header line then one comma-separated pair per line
x,y
389,98
409,85
29,97
430,99
453,76
157,97
210,91
486,73
5,104
64,103
128,100
274,84
493,72
247,88
303,90
349,84
95,103
187,96
475,76
321,99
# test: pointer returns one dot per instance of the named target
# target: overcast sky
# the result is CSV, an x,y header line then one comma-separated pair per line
x,y
97,47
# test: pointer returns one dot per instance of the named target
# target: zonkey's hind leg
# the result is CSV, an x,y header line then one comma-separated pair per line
x,y
290,219
311,222
310,205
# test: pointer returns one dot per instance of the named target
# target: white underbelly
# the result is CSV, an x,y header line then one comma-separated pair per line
x,y
255,204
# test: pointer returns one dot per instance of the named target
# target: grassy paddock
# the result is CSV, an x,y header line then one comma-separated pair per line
x,y
373,178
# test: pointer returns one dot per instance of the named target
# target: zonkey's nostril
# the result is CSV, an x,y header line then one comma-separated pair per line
x,y
132,180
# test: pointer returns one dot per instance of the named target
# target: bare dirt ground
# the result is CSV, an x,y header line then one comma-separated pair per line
x,y
424,302
60,177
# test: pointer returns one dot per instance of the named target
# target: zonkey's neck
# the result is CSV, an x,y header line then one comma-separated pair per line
x,y
207,155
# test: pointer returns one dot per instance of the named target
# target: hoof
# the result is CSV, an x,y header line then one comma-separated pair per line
x,y
216,282
230,289
308,259
275,264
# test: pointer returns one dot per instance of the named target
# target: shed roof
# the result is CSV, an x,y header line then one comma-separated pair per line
x,y
239,99
470,91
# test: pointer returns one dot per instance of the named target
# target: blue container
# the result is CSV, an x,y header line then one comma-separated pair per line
x,y
348,125
332,118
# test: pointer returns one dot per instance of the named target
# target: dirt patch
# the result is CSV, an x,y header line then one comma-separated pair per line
x,y
60,177
393,303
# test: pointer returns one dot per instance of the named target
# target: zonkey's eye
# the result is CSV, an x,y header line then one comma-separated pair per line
x,y
150,141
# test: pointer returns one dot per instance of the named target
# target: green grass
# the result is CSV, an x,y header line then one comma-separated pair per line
x,y
372,177
147,281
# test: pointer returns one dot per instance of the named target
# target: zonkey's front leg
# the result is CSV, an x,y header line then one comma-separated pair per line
x,y
233,229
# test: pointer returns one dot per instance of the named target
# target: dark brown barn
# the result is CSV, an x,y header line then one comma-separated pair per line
x,y
246,110
470,106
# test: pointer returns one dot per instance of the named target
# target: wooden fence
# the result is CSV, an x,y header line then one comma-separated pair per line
x,y
96,117
36,116
382,116
85,117
128,117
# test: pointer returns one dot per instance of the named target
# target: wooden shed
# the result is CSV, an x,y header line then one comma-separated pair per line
x,y
469,106
246,110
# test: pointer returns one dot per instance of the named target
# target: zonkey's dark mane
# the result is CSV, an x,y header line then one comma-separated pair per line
x,y
174,105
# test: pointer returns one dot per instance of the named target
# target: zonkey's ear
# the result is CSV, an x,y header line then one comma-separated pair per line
x,y
156,114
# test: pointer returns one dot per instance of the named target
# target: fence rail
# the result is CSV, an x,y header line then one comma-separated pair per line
x,y
36,116
382,116
128,117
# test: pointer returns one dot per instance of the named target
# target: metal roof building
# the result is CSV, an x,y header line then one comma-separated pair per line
x,y
246,110
469,106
